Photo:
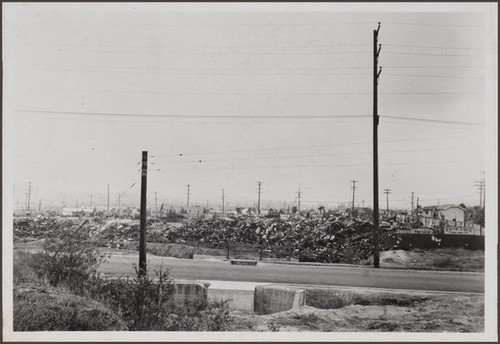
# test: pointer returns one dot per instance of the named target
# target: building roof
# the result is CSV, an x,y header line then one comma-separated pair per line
x,y
443,207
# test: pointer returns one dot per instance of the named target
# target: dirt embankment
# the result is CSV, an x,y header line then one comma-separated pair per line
x,y
358,311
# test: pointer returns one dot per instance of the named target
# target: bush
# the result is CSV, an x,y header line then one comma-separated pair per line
x,y
68,257
39,309
201,316
141,301
23,273
443,262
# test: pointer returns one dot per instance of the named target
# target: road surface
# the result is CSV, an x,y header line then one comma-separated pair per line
x,y
121,264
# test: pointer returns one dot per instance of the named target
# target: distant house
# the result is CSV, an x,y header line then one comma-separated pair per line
x,y
449,212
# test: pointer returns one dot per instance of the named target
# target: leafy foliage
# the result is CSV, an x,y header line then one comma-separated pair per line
x,y
142,301
69,256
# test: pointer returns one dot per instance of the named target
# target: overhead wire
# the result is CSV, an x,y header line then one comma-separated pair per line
x,y
421,139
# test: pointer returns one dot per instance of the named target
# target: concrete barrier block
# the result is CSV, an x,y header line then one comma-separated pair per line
x,y
187,292
243,262
236,299
273,298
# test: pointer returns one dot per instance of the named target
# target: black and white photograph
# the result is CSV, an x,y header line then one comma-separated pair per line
x,y
249,171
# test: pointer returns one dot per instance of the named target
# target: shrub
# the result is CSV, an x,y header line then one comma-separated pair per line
x,y
141,301
23,273
68,257
39,309
273,326
201,316
443,262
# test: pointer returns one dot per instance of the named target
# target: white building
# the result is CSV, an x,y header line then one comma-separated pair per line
x,y
448,212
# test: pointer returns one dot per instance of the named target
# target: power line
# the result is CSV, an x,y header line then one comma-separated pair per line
x,y
190,93
238,116
264,94
215,47
429,46
190,116
432,24
429,54
308,156
310,166
431,120
86,70
211,53
311,146
435,76
172,25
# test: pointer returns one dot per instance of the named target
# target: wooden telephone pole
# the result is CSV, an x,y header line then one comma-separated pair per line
x,y
142,234
376,73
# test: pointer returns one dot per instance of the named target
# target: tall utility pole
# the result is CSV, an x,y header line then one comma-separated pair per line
x,y
108,198
40,206
299,194
258,198
90,201
188,186
223,201
376,73
387,192
29,196
119,198
142,234
353,191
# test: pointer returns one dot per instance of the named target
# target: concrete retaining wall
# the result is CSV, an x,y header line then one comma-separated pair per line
x,y
272,299
237,299
187,292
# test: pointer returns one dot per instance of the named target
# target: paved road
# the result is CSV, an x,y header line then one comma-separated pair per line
x,y
120,264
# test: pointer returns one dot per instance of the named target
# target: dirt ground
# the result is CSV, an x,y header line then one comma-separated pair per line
x,y
428,313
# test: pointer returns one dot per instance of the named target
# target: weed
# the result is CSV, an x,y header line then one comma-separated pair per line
x,y
273,325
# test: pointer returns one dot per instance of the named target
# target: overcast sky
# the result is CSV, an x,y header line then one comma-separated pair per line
x,y
73,74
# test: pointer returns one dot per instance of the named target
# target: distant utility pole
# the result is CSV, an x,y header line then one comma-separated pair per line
x,y
29,196
412,212
119,197
480,185
188,186
387,192
90,201
299,195
223,201
376,74
353,191
484,190
258,198
108,198
40,206
142,234
156,203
